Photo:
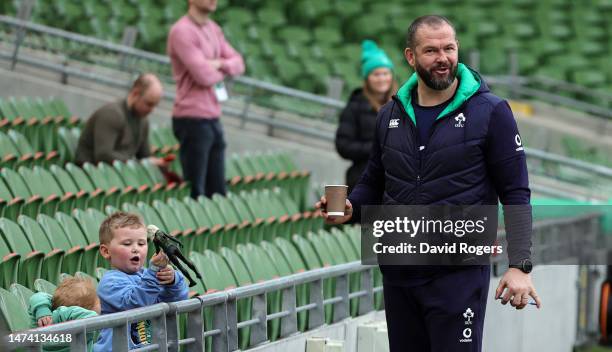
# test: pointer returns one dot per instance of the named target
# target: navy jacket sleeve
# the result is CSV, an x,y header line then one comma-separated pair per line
x,y
371,185
507,165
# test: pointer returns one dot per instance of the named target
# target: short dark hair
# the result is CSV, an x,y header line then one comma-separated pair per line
x,y
429,20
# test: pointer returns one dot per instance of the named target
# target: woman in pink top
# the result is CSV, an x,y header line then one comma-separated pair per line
x,y
201,59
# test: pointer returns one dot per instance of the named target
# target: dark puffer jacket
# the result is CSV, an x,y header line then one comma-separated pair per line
x,y
355,135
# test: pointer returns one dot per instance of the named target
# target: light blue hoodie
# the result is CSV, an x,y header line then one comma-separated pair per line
x,y
119,291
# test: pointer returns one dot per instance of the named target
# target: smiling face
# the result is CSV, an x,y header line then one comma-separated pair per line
x,y
127,250
435,56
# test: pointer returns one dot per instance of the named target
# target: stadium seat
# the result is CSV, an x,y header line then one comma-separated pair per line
x,y
12,312
28,151
67,143
10,206
10,154
73,230
83,199
183,233
200,226
9,264
97,197
54,257
312,260
209,239
30,265
41,285
262,268
116,194
73,252
287,261
242,277
42,183
22,294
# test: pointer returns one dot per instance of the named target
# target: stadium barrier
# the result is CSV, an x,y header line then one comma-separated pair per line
x,y
556,243
225,327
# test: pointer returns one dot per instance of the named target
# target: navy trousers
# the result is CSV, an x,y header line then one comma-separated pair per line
x,y
202,154
445,314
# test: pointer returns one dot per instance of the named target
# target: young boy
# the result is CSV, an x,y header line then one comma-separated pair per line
x,y
74,298
123,242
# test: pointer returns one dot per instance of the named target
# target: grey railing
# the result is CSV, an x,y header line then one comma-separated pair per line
x,y
224,331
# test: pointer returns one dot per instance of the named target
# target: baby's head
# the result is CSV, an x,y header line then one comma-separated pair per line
x,y
123,241
76,291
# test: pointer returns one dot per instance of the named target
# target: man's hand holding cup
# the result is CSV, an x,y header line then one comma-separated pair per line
x,y
334,206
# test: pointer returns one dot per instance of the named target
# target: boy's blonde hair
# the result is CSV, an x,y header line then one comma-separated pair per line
x,y
118,220
75,291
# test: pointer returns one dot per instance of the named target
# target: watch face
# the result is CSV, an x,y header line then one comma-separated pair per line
x,y
527,266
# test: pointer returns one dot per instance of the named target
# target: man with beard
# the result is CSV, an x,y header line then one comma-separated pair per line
x,y
120,130
201,59
445,139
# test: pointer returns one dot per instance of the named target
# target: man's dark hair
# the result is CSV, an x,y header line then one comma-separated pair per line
x,y
429,20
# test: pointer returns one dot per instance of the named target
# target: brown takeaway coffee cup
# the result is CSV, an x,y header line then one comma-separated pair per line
x,y
336,199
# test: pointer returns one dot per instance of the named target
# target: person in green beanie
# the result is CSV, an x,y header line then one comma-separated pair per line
x,y
74,298
355,131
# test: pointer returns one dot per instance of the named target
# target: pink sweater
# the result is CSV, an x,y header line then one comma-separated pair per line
x,y
190,46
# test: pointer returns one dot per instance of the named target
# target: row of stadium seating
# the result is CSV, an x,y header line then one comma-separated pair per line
x,y
33,190
198,224
301,44
37,119
232,267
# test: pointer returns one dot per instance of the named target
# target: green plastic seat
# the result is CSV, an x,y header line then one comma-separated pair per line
x,y
98,197
10,206
54,257
15,318
74,233
262,268
9,264
82,198
210,238
9,153
55,234
173,224
243,277
287,261
30,265
114,192
42,285
22,294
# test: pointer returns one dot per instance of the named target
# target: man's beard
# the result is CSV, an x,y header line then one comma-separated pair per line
x,y
435,83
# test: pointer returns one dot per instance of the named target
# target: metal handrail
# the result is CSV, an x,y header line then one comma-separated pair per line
x,y
225,325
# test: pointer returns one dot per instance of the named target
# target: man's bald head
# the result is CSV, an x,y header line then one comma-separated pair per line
x,y
145,94
145,82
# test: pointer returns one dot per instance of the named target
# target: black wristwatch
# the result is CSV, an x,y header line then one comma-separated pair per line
x,y
524,265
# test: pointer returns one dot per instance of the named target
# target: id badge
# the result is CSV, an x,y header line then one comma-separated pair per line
x,y
221,92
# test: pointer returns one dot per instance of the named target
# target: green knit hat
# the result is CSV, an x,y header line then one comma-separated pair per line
x,y
373,57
